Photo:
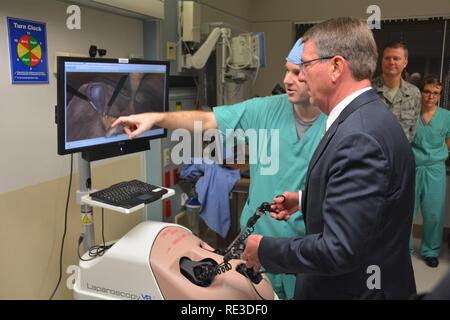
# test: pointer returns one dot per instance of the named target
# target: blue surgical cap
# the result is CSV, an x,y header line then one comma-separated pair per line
x,y
296,52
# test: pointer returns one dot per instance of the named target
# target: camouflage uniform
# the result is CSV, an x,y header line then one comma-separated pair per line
x,y
405,105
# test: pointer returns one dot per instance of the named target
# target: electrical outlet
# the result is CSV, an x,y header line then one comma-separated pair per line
x,y
166,157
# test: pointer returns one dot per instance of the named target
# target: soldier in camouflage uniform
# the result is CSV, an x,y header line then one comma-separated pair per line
x,y
402,98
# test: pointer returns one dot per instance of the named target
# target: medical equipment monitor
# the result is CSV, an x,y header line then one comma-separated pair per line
x,y
93,93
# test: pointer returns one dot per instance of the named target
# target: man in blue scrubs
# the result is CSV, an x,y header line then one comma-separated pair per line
x,y
300,127
430,147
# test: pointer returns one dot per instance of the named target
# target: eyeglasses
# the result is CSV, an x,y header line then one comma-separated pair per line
x,y
304,64
432,94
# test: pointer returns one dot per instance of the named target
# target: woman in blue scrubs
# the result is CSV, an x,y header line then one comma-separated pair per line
x,y
430,146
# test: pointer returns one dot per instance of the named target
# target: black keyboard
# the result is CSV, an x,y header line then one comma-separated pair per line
x,y
129,194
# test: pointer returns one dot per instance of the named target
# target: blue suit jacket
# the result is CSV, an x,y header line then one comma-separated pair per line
x,y
358,207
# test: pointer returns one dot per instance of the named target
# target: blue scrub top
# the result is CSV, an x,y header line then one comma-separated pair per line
x,y
429,143
293,156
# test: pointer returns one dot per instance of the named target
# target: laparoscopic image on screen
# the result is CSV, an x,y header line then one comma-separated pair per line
x,y
95,100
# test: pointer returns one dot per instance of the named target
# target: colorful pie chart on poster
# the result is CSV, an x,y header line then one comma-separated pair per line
x,y
29,51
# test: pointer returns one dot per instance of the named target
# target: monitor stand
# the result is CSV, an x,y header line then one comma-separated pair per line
x,y
84,169
87,204
87,218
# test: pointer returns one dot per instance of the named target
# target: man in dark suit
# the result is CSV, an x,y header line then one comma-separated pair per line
x,y
359,195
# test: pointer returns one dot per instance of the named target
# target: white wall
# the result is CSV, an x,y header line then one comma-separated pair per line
x,y
234,12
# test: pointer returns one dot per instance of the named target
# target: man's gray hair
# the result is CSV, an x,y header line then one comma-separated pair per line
x,y
347,37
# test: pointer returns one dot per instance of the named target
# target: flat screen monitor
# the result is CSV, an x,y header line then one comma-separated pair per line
x,y
92,93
